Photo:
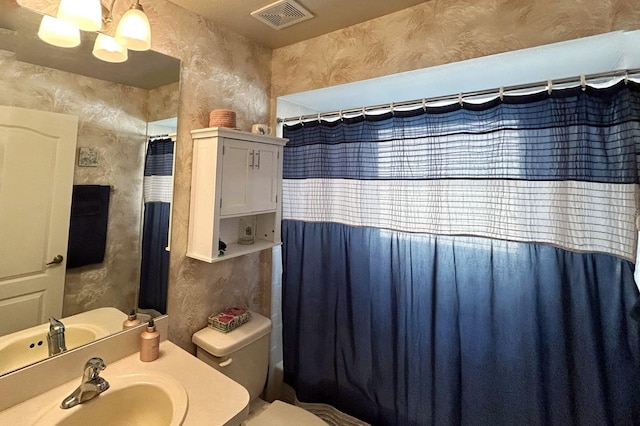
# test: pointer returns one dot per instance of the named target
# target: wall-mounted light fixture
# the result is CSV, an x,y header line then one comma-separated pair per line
x,y
133,31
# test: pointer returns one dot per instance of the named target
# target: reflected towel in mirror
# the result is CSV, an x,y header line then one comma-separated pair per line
x,y
88,226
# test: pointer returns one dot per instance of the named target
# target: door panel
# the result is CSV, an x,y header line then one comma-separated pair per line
x,y
237,168
22,311
265,183
26,189
37,151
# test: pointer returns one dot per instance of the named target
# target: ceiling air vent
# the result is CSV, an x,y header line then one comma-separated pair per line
x,y
282,14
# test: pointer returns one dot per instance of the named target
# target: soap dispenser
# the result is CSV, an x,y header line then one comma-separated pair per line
x,y
131,321
149,343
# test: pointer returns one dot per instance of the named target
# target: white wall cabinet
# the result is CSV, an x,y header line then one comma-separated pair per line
x,y
250,177
235,175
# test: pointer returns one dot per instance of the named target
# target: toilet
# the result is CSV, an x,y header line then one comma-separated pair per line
x,y
243,356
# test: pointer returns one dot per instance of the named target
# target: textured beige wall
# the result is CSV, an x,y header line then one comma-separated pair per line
x,y
219,70
112,121
438,32
162,102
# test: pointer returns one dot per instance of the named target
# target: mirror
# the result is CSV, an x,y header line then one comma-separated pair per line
x,y
114,104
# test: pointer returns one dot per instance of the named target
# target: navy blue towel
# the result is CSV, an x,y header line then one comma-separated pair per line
x,y
88,226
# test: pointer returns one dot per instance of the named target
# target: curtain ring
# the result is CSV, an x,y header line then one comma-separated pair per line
x,y
319,119
549,86
301,122
340,116
460,99
626,77
393,112
424,104
501,94
583,82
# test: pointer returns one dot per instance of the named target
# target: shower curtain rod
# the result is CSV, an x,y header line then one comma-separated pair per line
x,y
543,85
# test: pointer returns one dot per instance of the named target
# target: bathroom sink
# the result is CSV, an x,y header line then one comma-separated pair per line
x,y
137,399
29,346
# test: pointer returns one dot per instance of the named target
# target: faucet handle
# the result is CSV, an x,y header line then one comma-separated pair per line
x,y
92,369
91,386
55,337
55,326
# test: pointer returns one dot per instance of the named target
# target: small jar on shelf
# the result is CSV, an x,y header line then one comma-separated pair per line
x,y
247,230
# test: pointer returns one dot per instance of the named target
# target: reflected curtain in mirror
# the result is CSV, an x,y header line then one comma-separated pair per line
x,y
468,264
158,185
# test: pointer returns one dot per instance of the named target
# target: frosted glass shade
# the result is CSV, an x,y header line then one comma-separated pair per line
x,y
58,33
106,49
134,31
84,14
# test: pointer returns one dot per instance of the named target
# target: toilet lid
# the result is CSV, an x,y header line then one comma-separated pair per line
x,y
282,414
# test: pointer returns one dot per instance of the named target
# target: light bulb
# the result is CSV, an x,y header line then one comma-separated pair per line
x,y
84,14
134,31
58,33
107,49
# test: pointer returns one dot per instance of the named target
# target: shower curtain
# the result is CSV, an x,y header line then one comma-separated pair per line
x,y
468,264
158,187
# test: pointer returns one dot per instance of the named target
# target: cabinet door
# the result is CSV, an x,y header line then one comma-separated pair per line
x,y
237,174
265,178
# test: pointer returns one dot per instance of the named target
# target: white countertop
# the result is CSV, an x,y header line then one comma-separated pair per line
x,y
214,399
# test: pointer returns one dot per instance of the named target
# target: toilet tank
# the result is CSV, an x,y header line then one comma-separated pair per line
x,y
241,354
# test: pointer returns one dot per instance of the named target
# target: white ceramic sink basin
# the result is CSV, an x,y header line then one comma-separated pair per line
x,y
30,346
152,399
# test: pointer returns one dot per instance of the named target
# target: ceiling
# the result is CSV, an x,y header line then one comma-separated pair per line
x,y
329,15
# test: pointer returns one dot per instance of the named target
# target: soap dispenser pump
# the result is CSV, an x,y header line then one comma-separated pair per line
x,y
149,343
131,321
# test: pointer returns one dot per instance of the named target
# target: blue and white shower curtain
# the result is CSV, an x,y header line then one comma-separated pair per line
x,y
467,265
158,190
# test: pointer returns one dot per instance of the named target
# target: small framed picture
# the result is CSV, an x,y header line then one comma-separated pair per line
x,y
87,157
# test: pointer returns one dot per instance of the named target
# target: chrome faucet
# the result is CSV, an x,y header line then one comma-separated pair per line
x,y
55,337
91,386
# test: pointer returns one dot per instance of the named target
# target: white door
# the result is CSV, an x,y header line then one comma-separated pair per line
x,y
37,152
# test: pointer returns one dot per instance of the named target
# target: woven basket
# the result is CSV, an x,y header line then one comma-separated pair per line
x,y
229,319
222,118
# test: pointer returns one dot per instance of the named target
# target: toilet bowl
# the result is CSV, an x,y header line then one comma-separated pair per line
x,y
243,356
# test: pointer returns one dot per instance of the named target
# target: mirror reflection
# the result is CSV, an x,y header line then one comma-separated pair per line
x,y
124,114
